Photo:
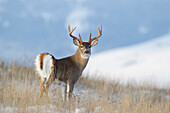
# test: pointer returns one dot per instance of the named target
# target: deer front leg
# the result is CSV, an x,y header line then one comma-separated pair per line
x,y
64,90
70,87
67,90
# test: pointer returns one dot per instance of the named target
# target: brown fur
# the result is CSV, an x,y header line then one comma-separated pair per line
x,y
69,69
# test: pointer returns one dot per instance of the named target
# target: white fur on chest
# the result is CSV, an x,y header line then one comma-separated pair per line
x,y
85,56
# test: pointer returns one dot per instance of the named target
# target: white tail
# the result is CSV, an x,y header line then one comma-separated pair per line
x,y
67,70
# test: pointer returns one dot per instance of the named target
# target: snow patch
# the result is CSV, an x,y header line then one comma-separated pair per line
x,y
141,64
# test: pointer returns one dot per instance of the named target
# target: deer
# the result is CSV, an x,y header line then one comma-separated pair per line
x,y
67,70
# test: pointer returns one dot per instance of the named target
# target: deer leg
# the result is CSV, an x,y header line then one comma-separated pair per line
x,y
46,87
41,87
41,90
68,90
64,90
47,84
70,87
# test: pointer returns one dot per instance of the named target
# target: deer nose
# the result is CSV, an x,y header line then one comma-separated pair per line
x,y
87,52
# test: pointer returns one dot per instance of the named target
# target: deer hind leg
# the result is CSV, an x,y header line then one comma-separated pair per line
x,y
49,72
41,87
45,87
48,83
44,66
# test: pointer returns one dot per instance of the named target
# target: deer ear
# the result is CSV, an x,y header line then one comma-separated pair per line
x,y
76,42
94,42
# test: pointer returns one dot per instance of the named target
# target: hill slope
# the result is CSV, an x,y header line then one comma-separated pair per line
x,y
142,64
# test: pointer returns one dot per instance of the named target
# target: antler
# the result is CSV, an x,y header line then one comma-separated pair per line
x,y
99,34
70,33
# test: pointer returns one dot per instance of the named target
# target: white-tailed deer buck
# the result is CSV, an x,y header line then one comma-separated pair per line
x,y
67,70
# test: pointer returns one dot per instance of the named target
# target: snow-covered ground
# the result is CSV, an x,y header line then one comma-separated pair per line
x,y
146,63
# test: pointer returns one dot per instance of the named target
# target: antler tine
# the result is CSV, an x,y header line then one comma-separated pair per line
x,y
100,30
80,38
99,34
70,32
89,38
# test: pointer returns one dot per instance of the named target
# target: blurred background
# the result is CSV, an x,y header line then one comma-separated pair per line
x,y
29,27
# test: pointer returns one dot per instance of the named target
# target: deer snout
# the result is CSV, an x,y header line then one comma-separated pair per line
x,y
87,52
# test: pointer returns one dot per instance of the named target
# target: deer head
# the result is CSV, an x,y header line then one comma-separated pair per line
x,y
85,47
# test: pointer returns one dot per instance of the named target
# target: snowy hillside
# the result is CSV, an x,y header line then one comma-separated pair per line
x,y
147,63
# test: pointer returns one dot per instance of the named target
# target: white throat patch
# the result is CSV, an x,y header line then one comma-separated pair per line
x,y
85,56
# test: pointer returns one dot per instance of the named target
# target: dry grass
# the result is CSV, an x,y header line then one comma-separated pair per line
x,y
19,92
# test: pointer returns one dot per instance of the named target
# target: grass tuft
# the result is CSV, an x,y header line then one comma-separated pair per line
x,y
19,92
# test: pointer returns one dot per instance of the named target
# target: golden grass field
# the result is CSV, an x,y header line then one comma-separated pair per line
x,y
19,93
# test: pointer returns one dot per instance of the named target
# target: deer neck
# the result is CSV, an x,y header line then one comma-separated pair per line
x,y
79,60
